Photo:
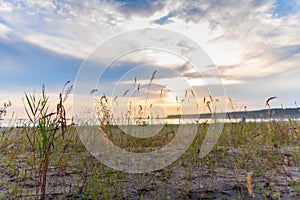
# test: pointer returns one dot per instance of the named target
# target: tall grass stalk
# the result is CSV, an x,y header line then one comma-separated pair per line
x,y
46,128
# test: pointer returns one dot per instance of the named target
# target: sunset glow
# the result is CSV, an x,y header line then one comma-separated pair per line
x,y
254,47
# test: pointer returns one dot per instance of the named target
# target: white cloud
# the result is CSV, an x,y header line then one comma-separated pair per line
x,y
64,27
235,33
4,30
46,4
5,6
246,39
238,33
58,44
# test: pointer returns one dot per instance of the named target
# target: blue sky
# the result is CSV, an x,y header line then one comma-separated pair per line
x,y
255,44
286,8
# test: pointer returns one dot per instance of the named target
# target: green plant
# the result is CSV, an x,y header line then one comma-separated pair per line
x,y
297,188
3,110
46,128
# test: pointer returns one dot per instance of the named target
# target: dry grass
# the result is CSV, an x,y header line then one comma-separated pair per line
x,y
48,160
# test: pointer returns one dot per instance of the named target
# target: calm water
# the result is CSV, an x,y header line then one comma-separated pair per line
x,y
21,122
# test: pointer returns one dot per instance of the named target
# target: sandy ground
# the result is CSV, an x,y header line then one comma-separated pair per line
x,y
223,181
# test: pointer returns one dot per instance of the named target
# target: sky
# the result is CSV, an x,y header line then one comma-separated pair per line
x,y
253,44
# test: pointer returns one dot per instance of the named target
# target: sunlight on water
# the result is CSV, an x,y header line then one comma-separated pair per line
x,y
18,123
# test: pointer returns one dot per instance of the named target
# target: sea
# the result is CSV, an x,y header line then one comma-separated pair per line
x,y
19,123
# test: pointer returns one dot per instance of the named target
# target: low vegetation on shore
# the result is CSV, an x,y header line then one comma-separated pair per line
x,y
47,160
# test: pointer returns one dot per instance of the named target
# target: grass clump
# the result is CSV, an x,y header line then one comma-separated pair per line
x,y
46,127
46,159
